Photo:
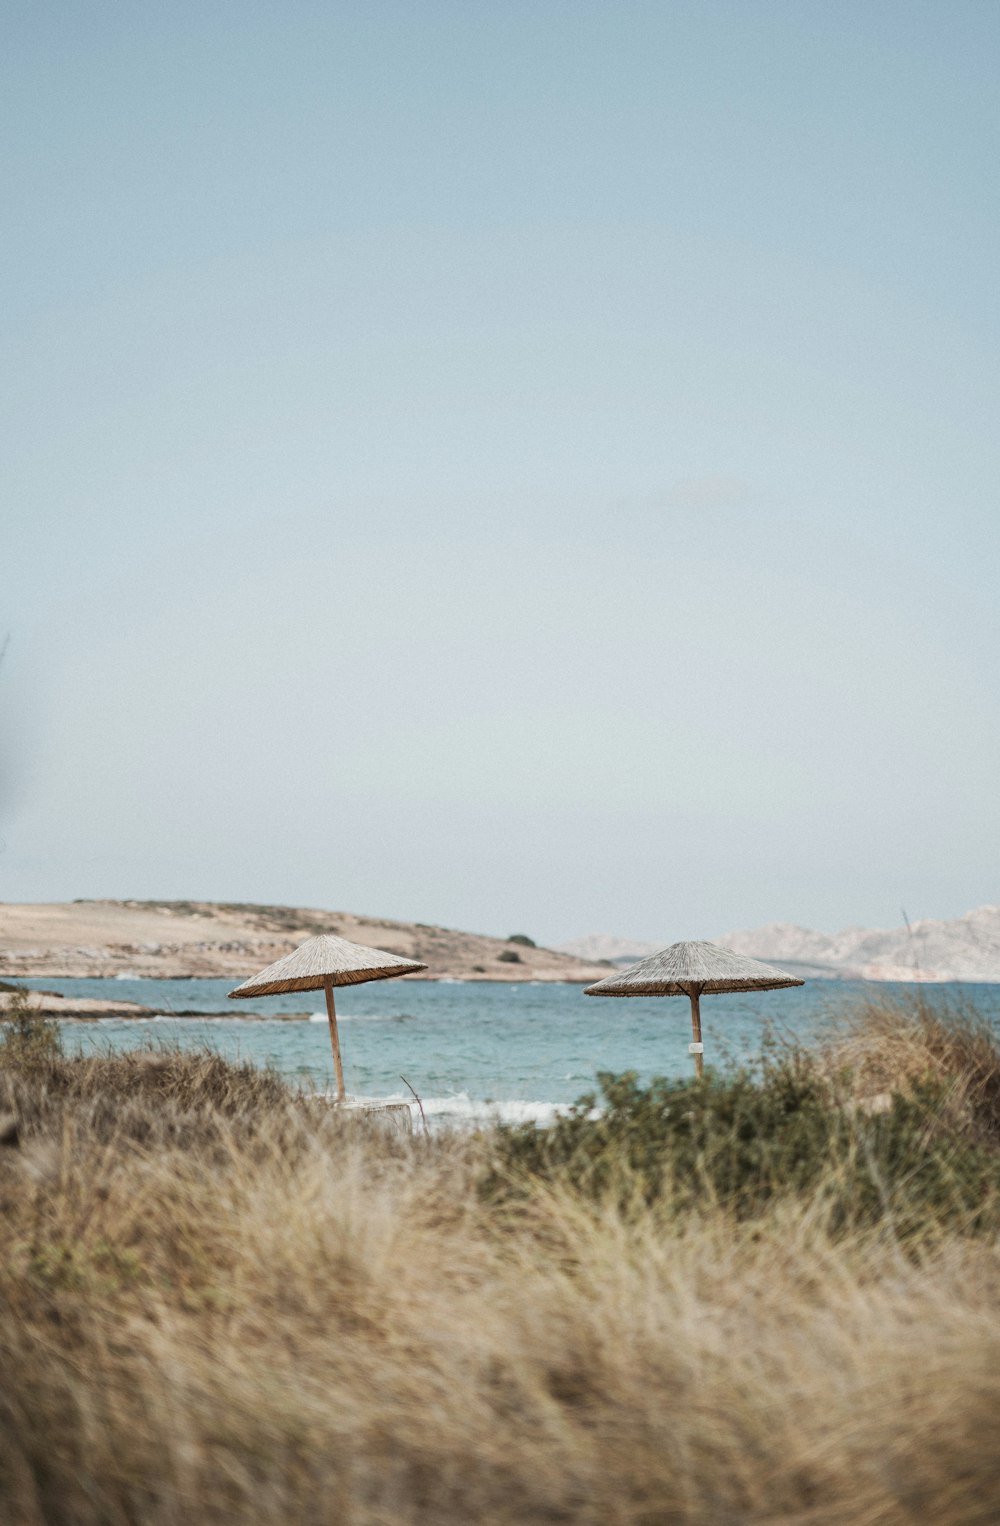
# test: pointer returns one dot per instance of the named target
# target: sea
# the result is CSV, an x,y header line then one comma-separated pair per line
x,y
472,1051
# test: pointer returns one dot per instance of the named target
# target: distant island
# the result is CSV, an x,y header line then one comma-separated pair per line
x,y
161,940
966,948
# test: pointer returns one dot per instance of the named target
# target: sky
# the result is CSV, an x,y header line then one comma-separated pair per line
x,y
526,467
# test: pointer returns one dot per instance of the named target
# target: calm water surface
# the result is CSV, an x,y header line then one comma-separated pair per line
x,y
469,1048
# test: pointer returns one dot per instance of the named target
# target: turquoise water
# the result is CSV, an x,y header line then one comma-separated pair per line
x,y
470,1048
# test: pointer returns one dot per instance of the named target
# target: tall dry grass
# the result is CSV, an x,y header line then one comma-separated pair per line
x,y
887,1043
216,1305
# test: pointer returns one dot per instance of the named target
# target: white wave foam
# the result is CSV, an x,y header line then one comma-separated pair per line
x,y
203,1017
464,1109
363,1017
460,1110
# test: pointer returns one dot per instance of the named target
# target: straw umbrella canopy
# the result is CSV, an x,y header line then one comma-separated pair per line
x,y
321,963
691,969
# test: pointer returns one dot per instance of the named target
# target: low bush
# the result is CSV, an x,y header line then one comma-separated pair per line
x,y
27,1038
739,1144
523,939
508,956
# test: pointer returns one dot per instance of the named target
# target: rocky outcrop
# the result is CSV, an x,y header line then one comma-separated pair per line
x,y
966,948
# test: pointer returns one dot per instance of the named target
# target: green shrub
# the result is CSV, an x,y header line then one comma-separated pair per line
x,y
508,956
744,1142
523,939
26,1037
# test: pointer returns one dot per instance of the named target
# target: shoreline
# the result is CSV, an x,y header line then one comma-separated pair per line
x,y
485,977
89,1009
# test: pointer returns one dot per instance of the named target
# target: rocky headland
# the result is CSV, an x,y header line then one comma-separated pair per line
x,y
161,940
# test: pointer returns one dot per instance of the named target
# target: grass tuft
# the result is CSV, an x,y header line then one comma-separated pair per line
x,y
893,1044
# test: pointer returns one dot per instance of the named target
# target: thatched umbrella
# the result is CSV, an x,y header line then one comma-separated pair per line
x,y
321,963
690,969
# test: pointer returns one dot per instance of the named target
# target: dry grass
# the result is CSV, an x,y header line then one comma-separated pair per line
x,y
888,1044
218,1306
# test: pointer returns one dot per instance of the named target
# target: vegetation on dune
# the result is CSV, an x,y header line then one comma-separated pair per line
x,y
738,1145
766,1298
887,1044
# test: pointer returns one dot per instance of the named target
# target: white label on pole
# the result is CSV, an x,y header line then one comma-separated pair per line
x,y
696,1049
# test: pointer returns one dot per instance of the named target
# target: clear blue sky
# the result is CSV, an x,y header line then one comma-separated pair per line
x,y
526,466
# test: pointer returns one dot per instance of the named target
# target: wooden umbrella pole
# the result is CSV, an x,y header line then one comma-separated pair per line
x,y
331,1013
696,1045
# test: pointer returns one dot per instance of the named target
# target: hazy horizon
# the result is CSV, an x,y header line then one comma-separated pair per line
x,y
525,469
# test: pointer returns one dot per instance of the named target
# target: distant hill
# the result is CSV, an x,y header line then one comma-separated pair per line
x,y
173,939
966,948
602,946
